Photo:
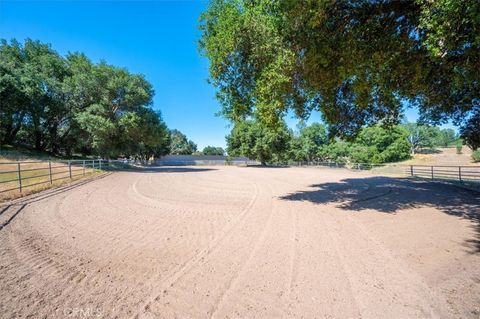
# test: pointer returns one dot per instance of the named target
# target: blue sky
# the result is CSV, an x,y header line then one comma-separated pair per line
x,y
155,38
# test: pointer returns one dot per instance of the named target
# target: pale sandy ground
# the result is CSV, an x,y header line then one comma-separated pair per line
x,y
229,242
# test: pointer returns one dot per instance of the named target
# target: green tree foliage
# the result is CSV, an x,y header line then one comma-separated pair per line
x,y
308,144
421,136
13,91
459,147
252,139
471,132
449,29
379,145
446,137
337,151
146,135
373,145
476,156
180,145
32,75
69,104
354,61
212,150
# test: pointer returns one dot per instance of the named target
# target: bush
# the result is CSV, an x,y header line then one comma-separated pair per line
x,y
476,156
337,151
459,148
397,151
363,154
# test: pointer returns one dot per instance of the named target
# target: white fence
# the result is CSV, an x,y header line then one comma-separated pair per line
x,y
433,172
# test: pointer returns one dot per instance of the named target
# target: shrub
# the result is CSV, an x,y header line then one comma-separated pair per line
x,y
337,151
476,156
363,154
397,151
459,148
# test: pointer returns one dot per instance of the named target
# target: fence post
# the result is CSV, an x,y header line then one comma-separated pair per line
x,y
100,164
460,173
93,166
50,170
411,170
432,171
83,167
70,169
19,178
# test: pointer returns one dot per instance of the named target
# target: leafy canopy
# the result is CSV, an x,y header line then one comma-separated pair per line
x,y
308,145
69,104
212,150
252,139
180,145
356,62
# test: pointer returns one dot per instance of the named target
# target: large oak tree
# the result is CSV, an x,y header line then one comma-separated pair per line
x,y
357,62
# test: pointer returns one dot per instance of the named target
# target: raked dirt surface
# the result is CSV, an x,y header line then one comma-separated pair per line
x,y
232,242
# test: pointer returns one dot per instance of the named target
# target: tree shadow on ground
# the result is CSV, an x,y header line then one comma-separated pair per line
x,y
390,195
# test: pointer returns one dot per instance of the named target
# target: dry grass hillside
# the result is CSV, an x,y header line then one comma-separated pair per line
x,y
443,156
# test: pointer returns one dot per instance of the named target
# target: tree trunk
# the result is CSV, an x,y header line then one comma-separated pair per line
x,y
54,140
38,140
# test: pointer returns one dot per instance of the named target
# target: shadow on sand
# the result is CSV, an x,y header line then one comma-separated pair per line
x,y
389,195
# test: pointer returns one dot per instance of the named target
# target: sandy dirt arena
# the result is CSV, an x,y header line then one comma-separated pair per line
x,y
233,242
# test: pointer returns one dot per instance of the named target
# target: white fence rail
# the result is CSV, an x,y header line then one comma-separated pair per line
x,y
456,173
434,172
18,176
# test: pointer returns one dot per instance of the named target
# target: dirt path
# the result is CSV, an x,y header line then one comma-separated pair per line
x,y
228,242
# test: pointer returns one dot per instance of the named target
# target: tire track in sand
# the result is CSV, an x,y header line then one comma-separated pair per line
x,y
275,266
197,258
234,279
378,281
